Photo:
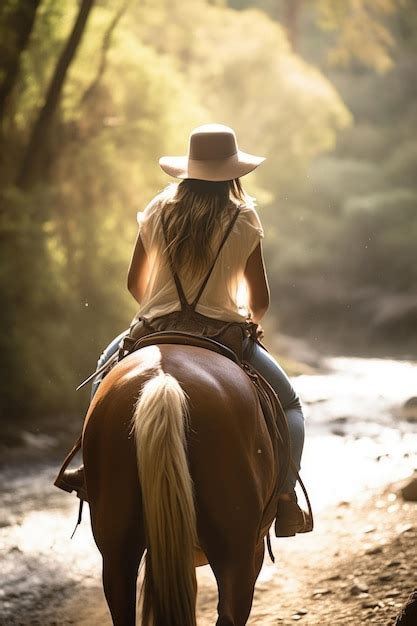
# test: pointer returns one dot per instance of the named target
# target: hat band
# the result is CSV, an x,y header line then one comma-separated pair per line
x,y
223,158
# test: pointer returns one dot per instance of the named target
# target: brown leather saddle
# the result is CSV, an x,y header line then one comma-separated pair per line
x,y
180,337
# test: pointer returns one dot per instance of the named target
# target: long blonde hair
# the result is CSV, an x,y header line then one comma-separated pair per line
x,y
193,211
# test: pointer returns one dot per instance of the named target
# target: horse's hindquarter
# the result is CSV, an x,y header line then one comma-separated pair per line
x,y
229,448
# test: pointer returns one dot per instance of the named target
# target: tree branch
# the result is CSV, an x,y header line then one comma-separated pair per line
x,y
104,50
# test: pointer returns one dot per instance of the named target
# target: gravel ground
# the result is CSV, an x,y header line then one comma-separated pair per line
x,y
358,566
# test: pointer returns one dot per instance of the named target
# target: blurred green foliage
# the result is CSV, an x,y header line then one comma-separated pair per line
x,y
337,193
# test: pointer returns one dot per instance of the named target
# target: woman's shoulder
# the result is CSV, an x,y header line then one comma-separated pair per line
x,y
152,209
248,216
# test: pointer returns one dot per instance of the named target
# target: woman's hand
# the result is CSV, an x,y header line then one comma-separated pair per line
x,y
138,275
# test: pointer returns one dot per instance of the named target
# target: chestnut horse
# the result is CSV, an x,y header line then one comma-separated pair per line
x,y
178,463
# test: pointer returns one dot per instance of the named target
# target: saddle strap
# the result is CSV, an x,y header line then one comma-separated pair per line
x,y
183,300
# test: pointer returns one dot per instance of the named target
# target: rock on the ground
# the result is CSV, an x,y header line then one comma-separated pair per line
x,y
358,588
408,615
409,491
409,409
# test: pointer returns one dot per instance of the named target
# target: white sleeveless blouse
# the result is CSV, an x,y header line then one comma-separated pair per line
x,y
224,296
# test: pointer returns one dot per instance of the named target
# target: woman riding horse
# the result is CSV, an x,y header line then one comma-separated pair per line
x,y
196,485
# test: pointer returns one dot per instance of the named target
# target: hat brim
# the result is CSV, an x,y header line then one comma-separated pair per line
x,y
235,166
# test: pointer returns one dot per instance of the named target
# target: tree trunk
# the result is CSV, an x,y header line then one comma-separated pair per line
x,y
33,163
291,20
17,27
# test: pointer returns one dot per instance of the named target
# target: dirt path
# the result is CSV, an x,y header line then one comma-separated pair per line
x,y
357,567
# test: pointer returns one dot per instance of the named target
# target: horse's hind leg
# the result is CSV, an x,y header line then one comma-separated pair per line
x,y
121,544
236,579
120,571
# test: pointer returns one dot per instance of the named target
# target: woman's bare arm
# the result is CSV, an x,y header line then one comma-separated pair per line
x,y
137,277
257,282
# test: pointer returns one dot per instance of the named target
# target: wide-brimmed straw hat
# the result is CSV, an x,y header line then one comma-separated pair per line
x,y
213,154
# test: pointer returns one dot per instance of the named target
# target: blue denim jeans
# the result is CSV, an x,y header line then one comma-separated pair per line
x,y
266,365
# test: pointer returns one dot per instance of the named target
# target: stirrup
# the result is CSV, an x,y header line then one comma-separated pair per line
x,y
66,484
60,481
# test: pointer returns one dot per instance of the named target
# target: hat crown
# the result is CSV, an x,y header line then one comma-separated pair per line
x,y
212,142
213,155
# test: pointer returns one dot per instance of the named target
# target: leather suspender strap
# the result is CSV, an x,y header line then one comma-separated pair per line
x,y
223,241
183,300
181,294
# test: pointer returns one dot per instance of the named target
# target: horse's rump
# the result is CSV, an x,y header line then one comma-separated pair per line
x,y
229,452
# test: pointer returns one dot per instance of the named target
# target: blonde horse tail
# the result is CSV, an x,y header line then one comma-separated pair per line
x,y
160,421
